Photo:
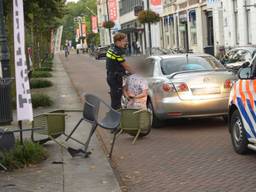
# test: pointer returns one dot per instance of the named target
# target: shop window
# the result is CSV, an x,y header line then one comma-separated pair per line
x,y
192,22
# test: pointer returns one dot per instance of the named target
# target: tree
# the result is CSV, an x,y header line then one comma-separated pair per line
x,y
85,8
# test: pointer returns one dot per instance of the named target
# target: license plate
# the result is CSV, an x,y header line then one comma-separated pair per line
x,y
206,91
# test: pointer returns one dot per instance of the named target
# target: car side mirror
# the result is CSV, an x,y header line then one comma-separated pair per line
x,y
244,73
245,64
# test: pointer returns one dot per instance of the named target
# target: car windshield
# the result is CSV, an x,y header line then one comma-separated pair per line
x,y
190,63
238,55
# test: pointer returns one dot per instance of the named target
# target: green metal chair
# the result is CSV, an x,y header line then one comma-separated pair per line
x,y
50,125
135,122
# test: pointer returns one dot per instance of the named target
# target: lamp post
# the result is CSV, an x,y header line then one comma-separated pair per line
x,y
5,82
109,30
4,57
149,32
78,20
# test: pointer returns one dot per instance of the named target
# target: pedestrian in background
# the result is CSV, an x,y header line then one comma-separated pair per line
x,y
116,68
138,47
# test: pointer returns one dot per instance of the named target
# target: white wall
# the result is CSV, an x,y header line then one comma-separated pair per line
x,y
229,23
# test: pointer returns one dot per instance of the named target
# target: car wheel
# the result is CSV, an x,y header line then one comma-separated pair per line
x,y
155,122
238,134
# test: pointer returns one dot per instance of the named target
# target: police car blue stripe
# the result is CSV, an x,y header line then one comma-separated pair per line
x,y
251,110
245,115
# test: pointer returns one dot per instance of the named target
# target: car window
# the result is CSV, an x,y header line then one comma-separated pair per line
x,y
253,64
191,63
148,67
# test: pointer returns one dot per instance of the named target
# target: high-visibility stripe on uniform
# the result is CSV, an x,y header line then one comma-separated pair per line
x,y
113,56
110,56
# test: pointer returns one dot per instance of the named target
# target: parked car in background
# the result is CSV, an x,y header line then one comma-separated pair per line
x,y
239,56
187,85
101,52
160,51
242,113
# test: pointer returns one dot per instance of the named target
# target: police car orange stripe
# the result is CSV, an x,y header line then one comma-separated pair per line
x,y
254,85
234,94
243,98
248,90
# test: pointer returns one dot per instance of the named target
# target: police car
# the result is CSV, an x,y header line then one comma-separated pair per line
x,y
242,110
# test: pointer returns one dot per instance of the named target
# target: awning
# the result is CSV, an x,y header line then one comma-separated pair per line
x,y
131,30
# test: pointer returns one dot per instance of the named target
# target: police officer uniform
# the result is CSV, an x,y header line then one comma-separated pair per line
x,y
115,72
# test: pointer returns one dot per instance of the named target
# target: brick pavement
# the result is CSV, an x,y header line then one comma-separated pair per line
x,y
186,155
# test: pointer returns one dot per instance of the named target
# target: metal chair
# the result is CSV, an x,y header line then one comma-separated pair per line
x,y
111,121
135,122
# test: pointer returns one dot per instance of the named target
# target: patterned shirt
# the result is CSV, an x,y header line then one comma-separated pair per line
x,y
136,84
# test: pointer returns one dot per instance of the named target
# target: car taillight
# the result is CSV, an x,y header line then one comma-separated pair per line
x,y
167,87
228,84
181,87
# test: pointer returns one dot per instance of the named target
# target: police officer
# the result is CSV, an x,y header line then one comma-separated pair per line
x,y
116,66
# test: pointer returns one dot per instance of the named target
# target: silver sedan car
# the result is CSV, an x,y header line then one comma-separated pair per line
x,y
187,85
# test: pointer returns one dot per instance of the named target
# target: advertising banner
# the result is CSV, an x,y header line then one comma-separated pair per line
x,y
77,33
83,29
52,41
94,24
112,10
156,6
23,95
58,37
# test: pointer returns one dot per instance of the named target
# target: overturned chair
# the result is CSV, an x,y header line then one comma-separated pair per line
x,y
94,114
53,124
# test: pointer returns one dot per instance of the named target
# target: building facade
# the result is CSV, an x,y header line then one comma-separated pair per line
x,y
238,22
188,25
103,8
130,25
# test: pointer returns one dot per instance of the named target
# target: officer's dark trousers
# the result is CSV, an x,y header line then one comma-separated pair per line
x,y
115,83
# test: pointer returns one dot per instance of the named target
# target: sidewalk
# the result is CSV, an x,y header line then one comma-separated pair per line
x,y
60,172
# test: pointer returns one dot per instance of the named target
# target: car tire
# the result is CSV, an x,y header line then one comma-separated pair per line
x,y
155,122
238,134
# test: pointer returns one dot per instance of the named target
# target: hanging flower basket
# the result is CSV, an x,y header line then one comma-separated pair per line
x,y
148,16
108,24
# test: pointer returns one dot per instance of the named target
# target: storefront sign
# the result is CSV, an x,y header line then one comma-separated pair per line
x,y
94,24
23,96
112,10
